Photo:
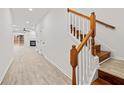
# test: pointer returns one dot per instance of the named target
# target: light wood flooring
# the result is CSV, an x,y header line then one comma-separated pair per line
x,y
30,68
113,67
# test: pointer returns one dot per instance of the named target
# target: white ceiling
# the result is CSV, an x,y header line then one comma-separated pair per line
x,y
22,17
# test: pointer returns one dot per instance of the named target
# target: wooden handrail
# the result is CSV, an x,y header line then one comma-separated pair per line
x,y
77,13
105,24
84,16
84,41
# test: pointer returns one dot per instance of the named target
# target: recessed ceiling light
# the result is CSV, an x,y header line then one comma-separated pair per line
x,y
27,22
30,9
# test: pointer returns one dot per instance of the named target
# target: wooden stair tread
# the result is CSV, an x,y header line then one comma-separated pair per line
x,y
100,81
114,67
103,55
112,71
115,80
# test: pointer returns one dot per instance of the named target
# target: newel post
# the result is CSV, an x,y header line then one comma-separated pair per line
x,y
74,62
93,28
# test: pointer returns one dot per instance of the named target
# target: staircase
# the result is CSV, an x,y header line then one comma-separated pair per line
x,y
103,55
83,55
112,71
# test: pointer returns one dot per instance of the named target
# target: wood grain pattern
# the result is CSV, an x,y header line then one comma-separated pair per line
x,y
30,68
103,55
115,80
73,62
112,71
100,81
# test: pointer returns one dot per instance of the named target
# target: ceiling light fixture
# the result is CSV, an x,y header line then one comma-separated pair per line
x,y
30,9
27,22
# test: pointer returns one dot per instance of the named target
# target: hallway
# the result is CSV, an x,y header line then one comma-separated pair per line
x,y
30,68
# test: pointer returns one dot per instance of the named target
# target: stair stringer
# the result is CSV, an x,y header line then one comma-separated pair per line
x,y
94,75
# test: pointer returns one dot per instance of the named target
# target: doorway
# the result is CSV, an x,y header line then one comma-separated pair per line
x,y
19,40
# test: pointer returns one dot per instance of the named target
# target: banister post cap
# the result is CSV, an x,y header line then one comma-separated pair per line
x,y
67,9
73,46
93,13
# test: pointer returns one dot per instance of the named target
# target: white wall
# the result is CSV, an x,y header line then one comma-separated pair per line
x,y
113,39
54,32
6,41
29,36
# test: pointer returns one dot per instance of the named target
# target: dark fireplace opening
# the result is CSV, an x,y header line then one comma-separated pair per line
x,y
32,43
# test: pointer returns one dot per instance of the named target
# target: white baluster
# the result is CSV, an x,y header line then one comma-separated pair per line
x,y
90,65
83,27
83,66
76,25
80,57
87,60
84,22
73,22
79,68
88,51
69,21
79,27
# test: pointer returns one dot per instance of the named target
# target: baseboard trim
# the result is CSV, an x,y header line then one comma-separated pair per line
x,y
104,61
118,58
58,67
5,71
103,44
